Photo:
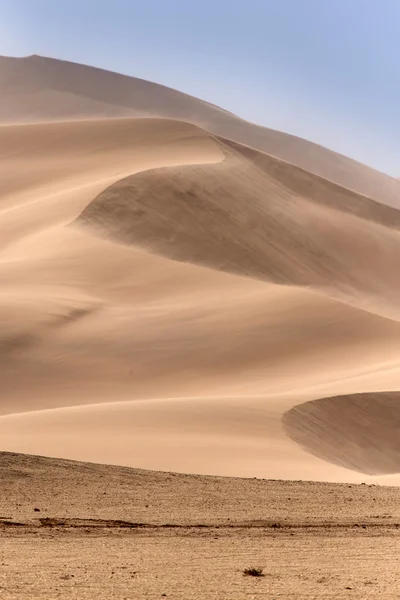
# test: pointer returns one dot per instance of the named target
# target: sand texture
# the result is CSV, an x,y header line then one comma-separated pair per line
x,y
183,290
90,531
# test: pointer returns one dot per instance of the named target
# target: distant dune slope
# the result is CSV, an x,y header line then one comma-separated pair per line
x,y
36,88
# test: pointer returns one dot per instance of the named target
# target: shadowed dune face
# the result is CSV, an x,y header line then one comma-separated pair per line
x,y
255,216
357,431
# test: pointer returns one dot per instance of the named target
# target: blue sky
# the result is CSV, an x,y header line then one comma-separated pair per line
x,y
326,70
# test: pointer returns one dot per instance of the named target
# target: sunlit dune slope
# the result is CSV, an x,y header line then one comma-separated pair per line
x,y
50,172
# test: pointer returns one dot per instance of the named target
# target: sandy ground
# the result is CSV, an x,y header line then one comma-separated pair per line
x,y
193,564
92,531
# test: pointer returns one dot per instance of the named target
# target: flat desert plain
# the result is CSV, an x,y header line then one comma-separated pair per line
x,y
82,530
184,291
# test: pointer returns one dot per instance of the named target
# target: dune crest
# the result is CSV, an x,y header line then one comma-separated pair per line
x,y
37,88
256,216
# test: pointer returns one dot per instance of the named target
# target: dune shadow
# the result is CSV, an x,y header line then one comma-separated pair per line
x,y
360,432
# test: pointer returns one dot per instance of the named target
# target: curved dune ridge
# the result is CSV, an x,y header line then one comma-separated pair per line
x,y
357,431
255,216
38,88
172,299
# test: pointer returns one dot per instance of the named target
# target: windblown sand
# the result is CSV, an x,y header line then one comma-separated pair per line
x,y
172,298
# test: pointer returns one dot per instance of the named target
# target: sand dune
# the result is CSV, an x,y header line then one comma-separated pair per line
x,y
37,88
173,299
358,431
242,216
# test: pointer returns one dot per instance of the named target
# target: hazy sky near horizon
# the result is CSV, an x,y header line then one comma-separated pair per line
x,y
320,69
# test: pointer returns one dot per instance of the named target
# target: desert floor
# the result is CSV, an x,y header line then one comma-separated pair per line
x,y
79,530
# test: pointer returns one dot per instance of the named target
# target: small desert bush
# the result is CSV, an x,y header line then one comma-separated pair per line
x,y
253,572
